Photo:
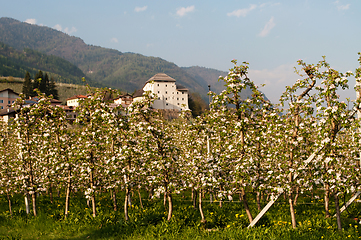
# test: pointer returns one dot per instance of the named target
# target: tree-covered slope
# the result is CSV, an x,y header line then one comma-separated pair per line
x,y
15,63
126,71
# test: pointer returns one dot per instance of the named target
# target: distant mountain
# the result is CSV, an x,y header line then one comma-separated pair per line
x,y
209,76
15,63
125,71
108,67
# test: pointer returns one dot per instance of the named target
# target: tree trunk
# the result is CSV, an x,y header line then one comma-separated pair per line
x,y
114,198
165,199
27,207
292,210
140,199
245,204
258,199
170,206
129,199
297,194
9,201
194,198
126,216
68,190
200,207
327,200
33,196
338,213
51,192
150,193
93,193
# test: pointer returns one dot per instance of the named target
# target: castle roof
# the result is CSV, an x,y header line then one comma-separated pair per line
x,y
161,77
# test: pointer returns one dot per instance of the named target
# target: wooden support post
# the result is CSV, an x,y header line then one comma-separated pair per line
x,y
281,191
265,209
349,202
309,159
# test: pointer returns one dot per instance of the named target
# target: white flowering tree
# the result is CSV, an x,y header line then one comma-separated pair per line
x,y
200,169
337,130
160,154
237,122
35,152
8,168
93,141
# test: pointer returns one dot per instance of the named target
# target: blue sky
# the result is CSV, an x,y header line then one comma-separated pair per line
x,y
270,35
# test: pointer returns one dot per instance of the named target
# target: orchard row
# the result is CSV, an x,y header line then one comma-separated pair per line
x,y
237,146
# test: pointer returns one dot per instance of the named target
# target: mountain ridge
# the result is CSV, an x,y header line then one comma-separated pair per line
x,y
109,67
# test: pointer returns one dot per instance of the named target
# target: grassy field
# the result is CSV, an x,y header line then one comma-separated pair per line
x,y
228,222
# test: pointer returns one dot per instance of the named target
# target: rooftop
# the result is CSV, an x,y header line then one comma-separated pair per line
x,y
161,77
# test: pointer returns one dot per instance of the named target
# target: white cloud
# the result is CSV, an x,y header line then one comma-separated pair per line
x,y
66,30
341,7
114,40
71,30
31,21
275,79
58,27
267,28
184,10
140,9
242,12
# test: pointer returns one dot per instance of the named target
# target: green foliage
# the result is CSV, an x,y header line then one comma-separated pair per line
x,y
27,86
196,104
15,63
41,83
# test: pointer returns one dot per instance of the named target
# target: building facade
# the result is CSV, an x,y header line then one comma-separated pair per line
x,y
169,94
7,97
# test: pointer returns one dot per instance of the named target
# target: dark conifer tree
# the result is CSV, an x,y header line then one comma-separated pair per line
x,y
44,84
36,84
52,89
27,86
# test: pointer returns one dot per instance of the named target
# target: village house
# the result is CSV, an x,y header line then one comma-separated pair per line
x,y
124,100
7,97
74,101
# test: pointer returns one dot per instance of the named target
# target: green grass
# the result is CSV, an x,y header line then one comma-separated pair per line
x,y
228,222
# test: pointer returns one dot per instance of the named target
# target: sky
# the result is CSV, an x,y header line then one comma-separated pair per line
x,y
270,35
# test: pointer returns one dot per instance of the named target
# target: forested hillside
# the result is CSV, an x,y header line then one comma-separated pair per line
x,y
108,67
15,63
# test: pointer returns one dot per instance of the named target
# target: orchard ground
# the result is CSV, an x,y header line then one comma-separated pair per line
x,y
226,222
